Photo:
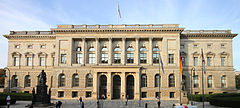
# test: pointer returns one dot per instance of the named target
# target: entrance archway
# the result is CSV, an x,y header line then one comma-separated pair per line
x,y
116,87
102,87
130,87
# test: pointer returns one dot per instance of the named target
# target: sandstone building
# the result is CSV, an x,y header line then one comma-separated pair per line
x,y
90,61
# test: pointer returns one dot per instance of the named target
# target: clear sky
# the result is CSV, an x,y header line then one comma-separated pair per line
x,y
191,14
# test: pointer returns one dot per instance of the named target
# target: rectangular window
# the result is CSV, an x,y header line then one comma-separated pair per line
x,y
172,94
79,58
222,61
91,58
195,46
209,45
170,58
130,58
16,61
222,45
117,58
88,94
104,58
143,58
29,46
61,94
17,46
144,94
157,94
183,61
53,62
26,91
196,92
42,61
43,46
210,93
181,46
29,61
155,57
195,61
195,81
209,61
63,58
74,94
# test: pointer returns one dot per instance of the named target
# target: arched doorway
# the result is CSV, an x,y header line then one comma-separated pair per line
x,y
130,87
103,87
116,87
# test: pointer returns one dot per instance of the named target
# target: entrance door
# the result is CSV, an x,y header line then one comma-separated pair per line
x,y
103,87
130,87
116,87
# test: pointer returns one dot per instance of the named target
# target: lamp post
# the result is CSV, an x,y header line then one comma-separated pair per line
x,y
9,86
192,75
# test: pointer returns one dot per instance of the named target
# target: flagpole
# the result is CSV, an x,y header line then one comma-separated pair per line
x,y
117,13
180,80
159,81
203,61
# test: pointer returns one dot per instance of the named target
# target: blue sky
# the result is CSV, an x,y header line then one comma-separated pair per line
x,y
191,14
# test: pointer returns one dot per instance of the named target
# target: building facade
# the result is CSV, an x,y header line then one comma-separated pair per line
x,y
119,61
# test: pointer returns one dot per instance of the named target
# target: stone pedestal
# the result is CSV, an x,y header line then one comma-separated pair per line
x,y
184,97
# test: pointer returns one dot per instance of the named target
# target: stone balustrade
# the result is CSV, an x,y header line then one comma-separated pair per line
x,y
32,33
206,32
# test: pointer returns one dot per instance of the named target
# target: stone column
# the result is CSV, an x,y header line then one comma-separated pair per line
x,y
137,86
110,52
123,86
84,51
95,85
69,56
136,59
109,86
150,56
123,51
97,52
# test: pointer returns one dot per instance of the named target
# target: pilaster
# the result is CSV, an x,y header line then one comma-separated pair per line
x,y
95,85
110,52
123,86
137,52
109,86
97,52
123,57
150,56
84,51
69,56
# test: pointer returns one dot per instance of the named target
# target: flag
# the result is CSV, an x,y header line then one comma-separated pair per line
x,y
119,13
161,62
203,62
181,69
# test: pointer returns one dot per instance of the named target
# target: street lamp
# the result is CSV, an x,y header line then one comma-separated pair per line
x,y
9,86
192,75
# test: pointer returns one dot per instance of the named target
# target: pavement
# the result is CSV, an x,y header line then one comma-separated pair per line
x,y
112,104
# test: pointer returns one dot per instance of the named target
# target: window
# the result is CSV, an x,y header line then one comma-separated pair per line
x,y
91,49
29,61
42,61
16,61
195,46
183,61
104,58
171,80
209,45
26,91
195,61
210,92
53,61
61,94
171,94
209,61
14,81
156,49
143,58
43,46
195,81
157,80
196,92
155,57
91,58
209,81
223,81
27,81
157,95
79,58
181,46
130,58
88,94
75,80
117,58
79,49
17,46
54,46
74,94
170,58
144,94
89,80
143,49
222,61
144,80
222,45
117,49
29,46
63,58
130,49
61,80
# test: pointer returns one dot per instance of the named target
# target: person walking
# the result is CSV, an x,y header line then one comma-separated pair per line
x,y
81,103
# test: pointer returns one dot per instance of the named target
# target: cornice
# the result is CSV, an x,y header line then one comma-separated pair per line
x,y
207,36
30,36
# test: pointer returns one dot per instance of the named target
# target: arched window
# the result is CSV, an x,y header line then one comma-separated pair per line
x,y
61,80
79,49
195,81
117,55
143,55
75,80
144,80
27,81
130,55
223,81
143,49
104,55
117,49
91,55
209,81
156,52
14,81
130,48
157,80
89,80
91,49
156,49
171,80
